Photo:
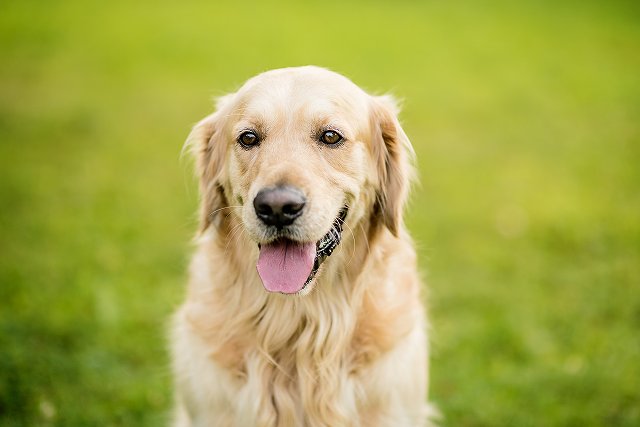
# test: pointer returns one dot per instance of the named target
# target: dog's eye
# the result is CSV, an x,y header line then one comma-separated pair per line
x,y
330,137
248,139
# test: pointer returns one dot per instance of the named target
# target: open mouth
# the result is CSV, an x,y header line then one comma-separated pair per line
x,y
288,266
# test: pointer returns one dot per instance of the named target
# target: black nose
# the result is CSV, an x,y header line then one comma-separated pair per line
x,y
279,206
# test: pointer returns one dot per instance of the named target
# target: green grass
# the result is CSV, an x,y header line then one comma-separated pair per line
x,y
526,121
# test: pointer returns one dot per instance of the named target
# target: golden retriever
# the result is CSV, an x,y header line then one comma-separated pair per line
x,y
303,305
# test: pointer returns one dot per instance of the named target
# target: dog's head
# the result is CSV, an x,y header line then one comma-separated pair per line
x,y
294,155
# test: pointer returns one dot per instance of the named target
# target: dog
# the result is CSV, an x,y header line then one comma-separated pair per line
x,y
303,306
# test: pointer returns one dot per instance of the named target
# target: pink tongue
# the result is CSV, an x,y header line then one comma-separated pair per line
x,y
284,266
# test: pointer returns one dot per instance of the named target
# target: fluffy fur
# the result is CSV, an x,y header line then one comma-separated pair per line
x,y
351,348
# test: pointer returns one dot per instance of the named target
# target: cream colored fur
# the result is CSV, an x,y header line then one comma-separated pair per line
x,y
351,349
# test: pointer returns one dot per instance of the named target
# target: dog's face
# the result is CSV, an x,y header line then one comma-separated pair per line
x,y
295,154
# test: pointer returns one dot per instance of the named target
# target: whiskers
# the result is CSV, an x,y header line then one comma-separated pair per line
x,y
212,213
234,233
353,238
364,236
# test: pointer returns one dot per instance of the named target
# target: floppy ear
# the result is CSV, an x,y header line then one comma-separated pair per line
x,y
210,150
393,153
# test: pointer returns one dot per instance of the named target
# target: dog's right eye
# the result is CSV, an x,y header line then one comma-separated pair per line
x,y
248,139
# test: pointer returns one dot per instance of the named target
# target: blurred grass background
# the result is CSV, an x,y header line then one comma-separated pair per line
x,y
525,117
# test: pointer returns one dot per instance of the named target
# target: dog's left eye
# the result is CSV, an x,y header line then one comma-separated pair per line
x,y
330,137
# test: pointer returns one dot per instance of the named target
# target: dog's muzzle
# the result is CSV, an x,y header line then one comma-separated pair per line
x,y
285,265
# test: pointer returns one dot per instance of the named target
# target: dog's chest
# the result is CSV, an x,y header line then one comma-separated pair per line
x,y
299,390
307,377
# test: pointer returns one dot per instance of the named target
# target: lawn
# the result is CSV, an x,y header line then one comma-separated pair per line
x,y
526,121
